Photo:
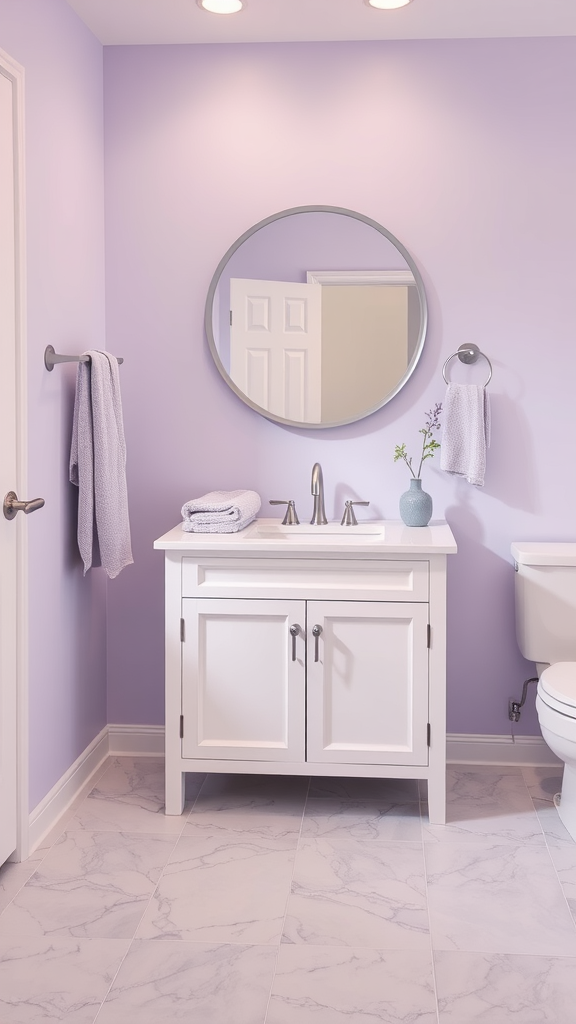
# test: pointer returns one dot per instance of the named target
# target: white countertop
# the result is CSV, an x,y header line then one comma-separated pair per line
x,y
435,539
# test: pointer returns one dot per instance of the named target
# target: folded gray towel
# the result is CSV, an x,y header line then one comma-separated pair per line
x,y
220,511
98,465
466,434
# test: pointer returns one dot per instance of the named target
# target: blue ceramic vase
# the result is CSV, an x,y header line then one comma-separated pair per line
x,y
415,505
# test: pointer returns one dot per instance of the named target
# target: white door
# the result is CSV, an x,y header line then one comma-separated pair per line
x,y
9,468
243,679
276,346
367,682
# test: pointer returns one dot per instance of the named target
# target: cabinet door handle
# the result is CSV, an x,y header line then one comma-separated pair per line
x,y
295,631
316,631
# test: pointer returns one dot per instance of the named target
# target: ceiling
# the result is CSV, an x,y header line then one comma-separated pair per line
x,y
129,22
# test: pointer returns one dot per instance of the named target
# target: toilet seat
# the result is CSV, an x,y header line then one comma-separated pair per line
x,y
557,687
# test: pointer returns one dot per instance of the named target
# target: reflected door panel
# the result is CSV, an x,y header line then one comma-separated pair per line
x,y
276,346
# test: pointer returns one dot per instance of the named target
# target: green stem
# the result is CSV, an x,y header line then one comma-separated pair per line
x,y
424,439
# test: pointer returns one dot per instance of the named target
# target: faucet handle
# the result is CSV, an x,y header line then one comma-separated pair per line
x,y
291,518
349,517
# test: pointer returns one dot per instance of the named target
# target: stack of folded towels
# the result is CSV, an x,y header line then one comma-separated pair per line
x,y
220,511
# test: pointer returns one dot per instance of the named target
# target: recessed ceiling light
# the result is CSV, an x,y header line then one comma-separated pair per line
x,y
221,6
387,5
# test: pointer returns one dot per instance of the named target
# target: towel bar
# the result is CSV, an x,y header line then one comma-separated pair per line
x,y
51,358
468,354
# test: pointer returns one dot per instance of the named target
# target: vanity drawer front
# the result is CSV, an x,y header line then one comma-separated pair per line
x,y
356,579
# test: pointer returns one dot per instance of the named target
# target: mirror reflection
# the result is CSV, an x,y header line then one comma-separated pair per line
x,y
316,316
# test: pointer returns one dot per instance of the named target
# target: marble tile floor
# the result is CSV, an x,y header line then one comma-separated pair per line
x,y
295,901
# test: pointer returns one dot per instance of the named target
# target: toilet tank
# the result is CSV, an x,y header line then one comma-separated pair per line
x,y
545,593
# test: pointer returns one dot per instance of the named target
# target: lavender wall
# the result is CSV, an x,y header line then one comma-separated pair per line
x,y
461,150
65,257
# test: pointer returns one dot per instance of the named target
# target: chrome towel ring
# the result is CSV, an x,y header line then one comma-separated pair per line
x,y
468,354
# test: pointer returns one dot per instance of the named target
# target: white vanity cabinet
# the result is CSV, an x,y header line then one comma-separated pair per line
x,y
307,655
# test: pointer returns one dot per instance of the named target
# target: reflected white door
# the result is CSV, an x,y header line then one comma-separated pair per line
x,y
275,346
8,475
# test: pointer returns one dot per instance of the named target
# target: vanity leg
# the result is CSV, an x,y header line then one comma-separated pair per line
x,y
175,777
437,800
175,783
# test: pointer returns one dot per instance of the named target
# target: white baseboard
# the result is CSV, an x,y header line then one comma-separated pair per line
x,y
70,786
112,740
138,740
148,741
530,751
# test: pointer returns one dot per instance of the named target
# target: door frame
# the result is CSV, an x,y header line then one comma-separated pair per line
x,y
15,73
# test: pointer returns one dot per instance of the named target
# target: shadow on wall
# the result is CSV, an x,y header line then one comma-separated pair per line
x,y
485,667
511,472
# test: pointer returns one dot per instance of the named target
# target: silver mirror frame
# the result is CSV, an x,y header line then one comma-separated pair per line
x,y
208,323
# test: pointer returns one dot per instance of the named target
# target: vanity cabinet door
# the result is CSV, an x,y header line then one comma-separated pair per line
x,y
368,688
243,679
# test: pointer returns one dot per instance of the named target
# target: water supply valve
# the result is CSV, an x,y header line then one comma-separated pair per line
x,y
514,710
514,706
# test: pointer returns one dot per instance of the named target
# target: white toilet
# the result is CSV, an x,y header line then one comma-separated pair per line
x,y
545,594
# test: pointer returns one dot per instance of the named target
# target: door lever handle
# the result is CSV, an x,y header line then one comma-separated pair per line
x,y
11,505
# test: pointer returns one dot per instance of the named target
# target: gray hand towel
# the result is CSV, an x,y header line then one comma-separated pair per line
x,y
466,434
220,511
98,465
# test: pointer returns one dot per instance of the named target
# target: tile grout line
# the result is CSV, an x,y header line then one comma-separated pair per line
x,y
67,815
432,961
19,890
548,848
288,895
500,838
177,837
109,989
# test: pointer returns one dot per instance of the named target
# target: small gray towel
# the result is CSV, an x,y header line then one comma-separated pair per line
x,y
466,434
220,511
98,465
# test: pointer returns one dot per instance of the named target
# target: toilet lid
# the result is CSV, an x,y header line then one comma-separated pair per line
x,y
559,682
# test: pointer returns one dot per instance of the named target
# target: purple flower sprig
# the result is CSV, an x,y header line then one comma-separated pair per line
x,y
429,445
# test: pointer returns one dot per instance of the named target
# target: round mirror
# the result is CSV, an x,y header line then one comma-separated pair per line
x,y
316,316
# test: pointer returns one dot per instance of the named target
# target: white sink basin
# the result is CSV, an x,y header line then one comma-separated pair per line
x,y
273,528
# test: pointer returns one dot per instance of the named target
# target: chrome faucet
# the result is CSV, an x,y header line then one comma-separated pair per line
x,y
318,515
